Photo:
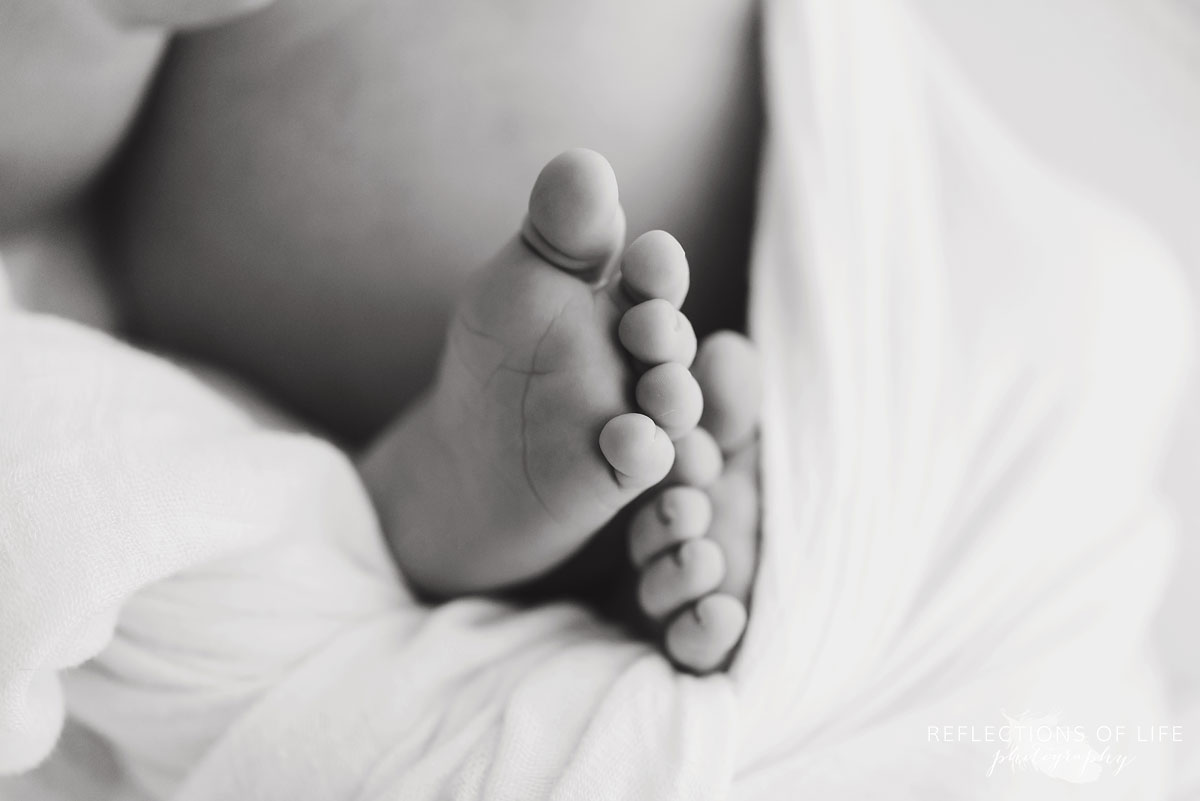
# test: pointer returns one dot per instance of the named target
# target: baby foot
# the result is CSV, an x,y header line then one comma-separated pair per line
x,y
696,544
528,443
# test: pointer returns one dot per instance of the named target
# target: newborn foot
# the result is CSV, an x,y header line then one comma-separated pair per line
x,y
528,441
696,544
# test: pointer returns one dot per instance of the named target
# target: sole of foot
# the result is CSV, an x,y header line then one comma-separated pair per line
x,y
563,384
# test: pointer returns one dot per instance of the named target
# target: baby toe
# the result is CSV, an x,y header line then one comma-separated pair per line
x,y
678,577
655,332
655,266
727,367
676,515
698,459
639,452
671,397
701,638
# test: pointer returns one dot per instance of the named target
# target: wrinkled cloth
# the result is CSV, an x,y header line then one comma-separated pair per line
x,y
970,366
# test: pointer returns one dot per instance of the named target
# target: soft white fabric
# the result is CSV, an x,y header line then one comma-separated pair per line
x,y
970,366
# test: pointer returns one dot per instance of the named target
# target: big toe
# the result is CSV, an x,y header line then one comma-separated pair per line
x,y
575,220
729,373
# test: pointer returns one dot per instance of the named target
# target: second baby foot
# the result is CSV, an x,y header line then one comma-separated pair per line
x,y
695,545
529,441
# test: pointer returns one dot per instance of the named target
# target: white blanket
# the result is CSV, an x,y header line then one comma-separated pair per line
x,y
970,365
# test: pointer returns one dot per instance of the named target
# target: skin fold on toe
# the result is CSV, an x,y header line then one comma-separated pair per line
x,y
655,332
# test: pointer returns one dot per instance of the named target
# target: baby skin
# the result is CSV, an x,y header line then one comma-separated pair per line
x,y
563,396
